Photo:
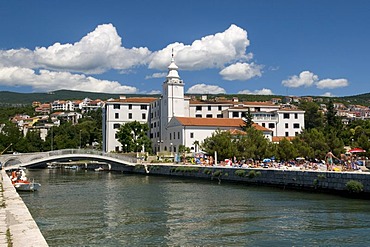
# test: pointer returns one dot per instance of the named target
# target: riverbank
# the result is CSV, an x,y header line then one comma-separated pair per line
x,y
349,183
17,227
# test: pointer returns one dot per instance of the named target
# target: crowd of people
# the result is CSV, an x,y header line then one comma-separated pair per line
x,y
346,162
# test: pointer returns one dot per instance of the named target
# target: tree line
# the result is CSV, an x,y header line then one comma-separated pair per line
x,y
322,133
86,133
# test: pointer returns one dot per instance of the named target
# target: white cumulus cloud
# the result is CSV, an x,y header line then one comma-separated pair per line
x,y
206,89
97,52
328,94
47,80
332,83
305,78
263,91
156,75
212,51
241,71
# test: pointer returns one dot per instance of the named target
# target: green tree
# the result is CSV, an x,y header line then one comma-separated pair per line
x,y
220,142
133,135
10,133
332,121
247,118
313,118
286,150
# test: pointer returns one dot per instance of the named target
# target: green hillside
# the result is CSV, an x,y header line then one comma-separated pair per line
x,y
16,99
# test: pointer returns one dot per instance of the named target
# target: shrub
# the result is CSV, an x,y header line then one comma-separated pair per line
x,y
186,169
207,171
253,174
240,173
354,186
217,173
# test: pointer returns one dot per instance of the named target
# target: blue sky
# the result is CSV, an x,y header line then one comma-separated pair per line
x,y
234,47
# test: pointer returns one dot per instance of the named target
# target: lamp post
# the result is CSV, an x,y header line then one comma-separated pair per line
x,y
171,144
80,139
159,145
126,147
51,141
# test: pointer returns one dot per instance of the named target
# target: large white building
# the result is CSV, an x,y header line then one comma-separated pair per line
x,y
175,119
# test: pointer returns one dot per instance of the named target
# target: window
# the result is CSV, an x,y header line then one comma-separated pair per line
x,y
116,115
296,133
296,126
209,108
198,115
155,124
263,125
116,136
209,116
174,135
220,108
143,116
235,114
143,107
296,115
198,108
151,135
116,106
116,126
191,135
174,149
170,136
130,116
286,125
129,106
286,115
219,115
286,134
257,109
271,125
178,135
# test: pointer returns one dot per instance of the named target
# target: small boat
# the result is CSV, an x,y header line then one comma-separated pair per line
x,y
21,183
26,185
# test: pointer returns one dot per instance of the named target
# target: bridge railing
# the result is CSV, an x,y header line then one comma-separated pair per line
x,y
93,152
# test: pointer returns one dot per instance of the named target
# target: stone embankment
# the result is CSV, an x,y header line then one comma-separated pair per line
x,y
17,227
326,181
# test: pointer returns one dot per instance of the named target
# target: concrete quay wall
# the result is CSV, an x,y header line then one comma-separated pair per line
x,y
306,180
16,219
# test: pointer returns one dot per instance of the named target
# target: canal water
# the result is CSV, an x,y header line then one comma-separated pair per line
x,y
88,208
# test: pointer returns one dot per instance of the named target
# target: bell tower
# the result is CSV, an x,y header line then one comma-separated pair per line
x,y
173,93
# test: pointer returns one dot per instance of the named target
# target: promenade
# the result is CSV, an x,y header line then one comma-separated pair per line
x,y
17,227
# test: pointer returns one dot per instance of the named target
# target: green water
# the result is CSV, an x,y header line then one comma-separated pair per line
x,y
87,208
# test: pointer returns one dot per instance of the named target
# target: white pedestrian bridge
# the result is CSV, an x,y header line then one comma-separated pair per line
x,y
40,159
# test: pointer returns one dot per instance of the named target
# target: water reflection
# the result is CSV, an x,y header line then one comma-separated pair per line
x,y
87,208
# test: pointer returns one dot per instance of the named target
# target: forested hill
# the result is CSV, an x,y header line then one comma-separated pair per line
x,y
12,99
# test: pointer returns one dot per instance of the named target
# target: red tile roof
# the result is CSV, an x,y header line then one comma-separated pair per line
x,y
135,100
217,122
280,138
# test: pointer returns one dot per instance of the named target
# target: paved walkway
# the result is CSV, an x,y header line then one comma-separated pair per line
x,y
15,216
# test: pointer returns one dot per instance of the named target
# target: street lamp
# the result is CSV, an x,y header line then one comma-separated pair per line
x,y
80,139
159,145
126,147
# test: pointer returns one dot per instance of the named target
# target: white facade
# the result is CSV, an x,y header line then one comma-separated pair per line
x,y
118,112
167,134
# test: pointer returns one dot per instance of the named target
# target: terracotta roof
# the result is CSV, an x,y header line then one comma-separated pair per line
x,y
280,138
222,122
135,100
217,122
